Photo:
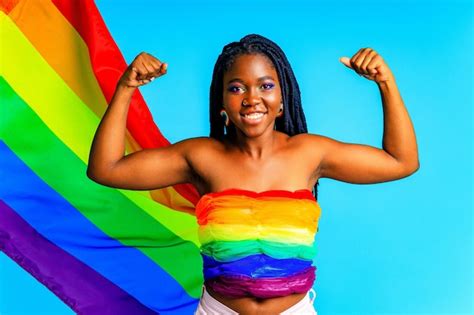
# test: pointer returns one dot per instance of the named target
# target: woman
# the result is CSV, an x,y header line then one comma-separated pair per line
x,y
255,172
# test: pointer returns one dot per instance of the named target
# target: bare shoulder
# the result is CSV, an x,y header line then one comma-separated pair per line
x,y
199,152
196,143
200,145
306,139
309,143
203,156
309,150
315,143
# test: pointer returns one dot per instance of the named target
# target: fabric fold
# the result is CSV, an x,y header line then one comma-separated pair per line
x,y
258,244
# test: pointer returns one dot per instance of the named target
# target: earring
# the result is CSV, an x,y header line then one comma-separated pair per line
x,y
280,113
224,115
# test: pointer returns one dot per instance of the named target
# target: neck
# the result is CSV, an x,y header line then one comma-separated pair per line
x,y
257,148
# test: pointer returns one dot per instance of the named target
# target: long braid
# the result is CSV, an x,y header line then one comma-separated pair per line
x,y
292,122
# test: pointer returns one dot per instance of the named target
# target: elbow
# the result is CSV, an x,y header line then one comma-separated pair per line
x,y
101,173
102,177
94,176
416,166
412,168
90,174
405,169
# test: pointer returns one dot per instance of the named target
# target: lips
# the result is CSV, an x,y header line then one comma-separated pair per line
x,y
255,112
253,118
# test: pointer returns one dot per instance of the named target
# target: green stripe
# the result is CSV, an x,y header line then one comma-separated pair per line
x,y
107,208
64,113
232,250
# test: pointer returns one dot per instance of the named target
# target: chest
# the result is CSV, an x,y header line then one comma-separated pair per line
x,y
217,171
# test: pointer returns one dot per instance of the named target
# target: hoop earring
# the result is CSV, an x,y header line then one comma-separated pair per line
x,y
225,116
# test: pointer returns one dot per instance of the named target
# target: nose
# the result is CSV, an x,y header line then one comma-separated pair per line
x,y
252,98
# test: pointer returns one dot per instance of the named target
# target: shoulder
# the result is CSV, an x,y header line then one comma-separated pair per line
x,y
313,141
199,142
312,146
308,140
194,147
307,151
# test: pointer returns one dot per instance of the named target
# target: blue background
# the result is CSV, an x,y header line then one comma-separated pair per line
x,y
400,247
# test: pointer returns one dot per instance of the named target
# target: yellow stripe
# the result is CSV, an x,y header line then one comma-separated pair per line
x,y
243,232
67,116
62,48
54,40
75,68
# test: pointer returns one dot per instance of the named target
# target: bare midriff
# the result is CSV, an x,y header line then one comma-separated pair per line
x,y
254,306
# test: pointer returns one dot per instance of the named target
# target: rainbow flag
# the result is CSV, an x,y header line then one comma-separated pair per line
x,y
100,250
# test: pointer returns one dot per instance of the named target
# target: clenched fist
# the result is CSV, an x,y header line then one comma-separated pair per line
x,y
368,63
144,69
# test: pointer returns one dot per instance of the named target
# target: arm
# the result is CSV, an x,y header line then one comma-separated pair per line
x,y
143,170
364,164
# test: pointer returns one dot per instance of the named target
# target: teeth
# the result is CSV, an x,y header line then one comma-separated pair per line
x,y
254,116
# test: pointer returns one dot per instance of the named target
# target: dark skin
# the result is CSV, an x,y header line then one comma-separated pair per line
x,y
260,158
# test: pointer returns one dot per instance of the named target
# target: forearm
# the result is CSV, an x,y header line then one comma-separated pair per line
x,y
399,138
108,146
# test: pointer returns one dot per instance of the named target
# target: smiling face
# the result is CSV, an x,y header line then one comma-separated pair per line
x,y
252,94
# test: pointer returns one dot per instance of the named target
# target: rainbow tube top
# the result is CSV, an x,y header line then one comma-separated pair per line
x,y
258,244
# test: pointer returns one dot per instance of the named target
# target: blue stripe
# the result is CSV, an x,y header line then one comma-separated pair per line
x,y
80,287
58,221
255,266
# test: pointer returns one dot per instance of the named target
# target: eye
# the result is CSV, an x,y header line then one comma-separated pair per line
x,y
268,86
234,89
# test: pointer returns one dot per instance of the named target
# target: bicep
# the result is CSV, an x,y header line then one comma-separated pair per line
x,y
358,163
150,169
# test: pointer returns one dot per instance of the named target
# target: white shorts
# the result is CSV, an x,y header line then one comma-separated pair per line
x,y
210,306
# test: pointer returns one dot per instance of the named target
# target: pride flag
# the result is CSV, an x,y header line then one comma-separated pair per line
x,y
100,250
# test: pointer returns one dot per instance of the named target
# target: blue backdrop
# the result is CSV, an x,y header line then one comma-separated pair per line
x,y
400,247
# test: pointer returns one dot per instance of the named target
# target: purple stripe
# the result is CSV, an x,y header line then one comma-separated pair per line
x,y
240,286
93,294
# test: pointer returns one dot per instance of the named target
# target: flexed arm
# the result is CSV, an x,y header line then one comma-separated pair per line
x,y
358,163
399,135
143,170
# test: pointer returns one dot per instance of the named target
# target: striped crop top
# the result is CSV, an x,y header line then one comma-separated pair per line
x,y
258,244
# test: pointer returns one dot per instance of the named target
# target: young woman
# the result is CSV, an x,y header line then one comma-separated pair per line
x,y
258,211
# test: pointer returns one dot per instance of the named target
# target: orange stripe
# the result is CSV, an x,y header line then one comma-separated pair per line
x,y
65,51
104,54
62,47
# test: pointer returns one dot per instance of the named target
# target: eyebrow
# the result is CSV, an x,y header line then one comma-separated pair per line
x,y
259,79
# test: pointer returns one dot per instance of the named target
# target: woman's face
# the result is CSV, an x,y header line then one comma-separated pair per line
x,y
251,86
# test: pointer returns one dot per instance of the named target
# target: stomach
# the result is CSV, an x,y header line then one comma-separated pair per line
x,y
254,306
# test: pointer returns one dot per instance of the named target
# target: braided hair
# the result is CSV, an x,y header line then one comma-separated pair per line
x,y
293,120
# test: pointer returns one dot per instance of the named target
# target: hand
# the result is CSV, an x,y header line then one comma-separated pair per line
x,y
144,69
368,63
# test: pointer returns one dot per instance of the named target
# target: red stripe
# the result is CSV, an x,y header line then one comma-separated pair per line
x,y
8,5
108,65
296,194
